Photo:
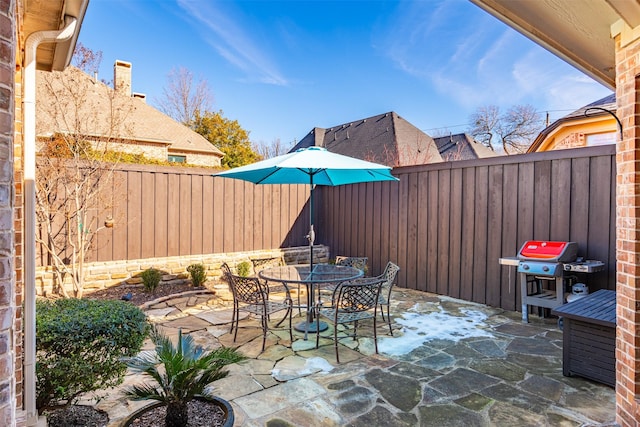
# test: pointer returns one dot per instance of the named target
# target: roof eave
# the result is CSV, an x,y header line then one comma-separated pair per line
x,y
595,56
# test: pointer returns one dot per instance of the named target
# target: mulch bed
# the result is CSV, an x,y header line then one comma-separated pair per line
x,y
137,294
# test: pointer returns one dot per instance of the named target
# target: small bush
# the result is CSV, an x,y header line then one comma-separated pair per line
x,y
151,279
244,268
198,274
79,346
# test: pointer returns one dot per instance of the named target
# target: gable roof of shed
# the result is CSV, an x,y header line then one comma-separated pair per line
x,y
141,123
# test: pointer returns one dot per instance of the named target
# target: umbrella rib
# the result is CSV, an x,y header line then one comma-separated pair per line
x,y
276,169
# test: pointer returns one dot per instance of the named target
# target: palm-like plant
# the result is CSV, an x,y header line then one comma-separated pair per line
x,y
181,372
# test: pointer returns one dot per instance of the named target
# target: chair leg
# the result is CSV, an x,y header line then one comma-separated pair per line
x,y
235,336
265,329
290,311
233,316
335,340
375,333
388,319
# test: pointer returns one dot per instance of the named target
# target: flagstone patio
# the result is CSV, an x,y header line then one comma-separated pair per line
x,y
449,363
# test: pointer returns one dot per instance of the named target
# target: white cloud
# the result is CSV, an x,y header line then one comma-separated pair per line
x,y
232,42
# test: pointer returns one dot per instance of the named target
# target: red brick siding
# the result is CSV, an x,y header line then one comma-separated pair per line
x,y
8,302
628,236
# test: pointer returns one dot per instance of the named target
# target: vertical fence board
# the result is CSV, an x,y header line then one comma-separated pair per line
x,y
509,246
403,204
432,233
542,197
468,233
480,237
494,235
423,230
444,182
385,254
184,214
207,215
196,218
580,203
560,201
173,216
218,210
599,211
134,210
147,216
455,232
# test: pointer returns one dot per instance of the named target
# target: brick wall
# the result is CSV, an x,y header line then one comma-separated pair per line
x,y
100,275
206,160
8,301
628,234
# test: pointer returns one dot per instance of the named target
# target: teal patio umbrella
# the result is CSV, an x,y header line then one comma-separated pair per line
x,y
313,166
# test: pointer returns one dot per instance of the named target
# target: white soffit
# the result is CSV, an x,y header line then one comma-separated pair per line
x,y
578,31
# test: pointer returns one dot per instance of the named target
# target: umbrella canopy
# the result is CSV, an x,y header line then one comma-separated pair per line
x,y
313,166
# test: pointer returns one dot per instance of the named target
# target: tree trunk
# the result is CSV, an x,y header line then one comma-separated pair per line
x,y
177,415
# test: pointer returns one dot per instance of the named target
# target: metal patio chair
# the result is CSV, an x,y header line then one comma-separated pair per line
x,y
260,264
352,301
352,261
349,261
252,296
389,277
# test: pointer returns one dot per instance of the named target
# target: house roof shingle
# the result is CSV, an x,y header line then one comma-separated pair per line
x,y
462,146
391,140
93,103
386,138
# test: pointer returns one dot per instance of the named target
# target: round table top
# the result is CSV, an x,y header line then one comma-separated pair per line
x,y
301,273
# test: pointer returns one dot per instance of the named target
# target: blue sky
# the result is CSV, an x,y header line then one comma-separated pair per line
x,y
283,67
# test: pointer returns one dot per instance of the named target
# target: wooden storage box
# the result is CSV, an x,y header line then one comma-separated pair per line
x,y
589,337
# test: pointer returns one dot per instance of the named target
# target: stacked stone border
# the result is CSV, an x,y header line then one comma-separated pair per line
x,y
102,275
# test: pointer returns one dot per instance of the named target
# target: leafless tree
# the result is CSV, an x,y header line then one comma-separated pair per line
x,y
511,132
182,97
273,149
74,185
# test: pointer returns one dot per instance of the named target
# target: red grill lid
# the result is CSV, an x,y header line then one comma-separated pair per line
x,y
549,251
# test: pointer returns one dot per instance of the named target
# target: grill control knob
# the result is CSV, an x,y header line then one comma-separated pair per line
x,y
525,266
545,269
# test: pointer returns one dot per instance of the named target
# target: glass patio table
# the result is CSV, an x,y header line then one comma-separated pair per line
x,y
322,274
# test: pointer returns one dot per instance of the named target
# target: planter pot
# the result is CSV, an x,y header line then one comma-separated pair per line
x,y
221,403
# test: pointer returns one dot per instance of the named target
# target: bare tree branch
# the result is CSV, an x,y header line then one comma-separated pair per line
x,y
512,132
182,97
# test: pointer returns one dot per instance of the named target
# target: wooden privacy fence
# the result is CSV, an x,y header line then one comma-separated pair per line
x,y
446,225
165,211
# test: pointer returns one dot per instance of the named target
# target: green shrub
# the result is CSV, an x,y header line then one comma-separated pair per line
x,y
79,346
151,279
244,268
198,274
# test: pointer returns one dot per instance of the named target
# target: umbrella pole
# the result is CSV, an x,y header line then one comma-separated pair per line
x,y
312,235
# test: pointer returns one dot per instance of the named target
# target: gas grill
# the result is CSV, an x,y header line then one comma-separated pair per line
x,y
541,263
544,268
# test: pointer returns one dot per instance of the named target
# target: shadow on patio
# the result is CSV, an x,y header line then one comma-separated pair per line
x,y
451,363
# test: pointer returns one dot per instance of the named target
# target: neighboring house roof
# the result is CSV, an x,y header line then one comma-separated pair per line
x,y
386,138
137,122
462,146
593,110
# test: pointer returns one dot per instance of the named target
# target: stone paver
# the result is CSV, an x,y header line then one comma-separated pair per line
x,y
513,376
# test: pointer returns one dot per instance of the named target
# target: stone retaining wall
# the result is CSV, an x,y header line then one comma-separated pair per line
x,y
101,275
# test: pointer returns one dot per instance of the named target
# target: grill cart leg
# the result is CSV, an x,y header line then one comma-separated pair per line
x,y
523,297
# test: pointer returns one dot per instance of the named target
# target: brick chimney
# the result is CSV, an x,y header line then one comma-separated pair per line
x,y
122,77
